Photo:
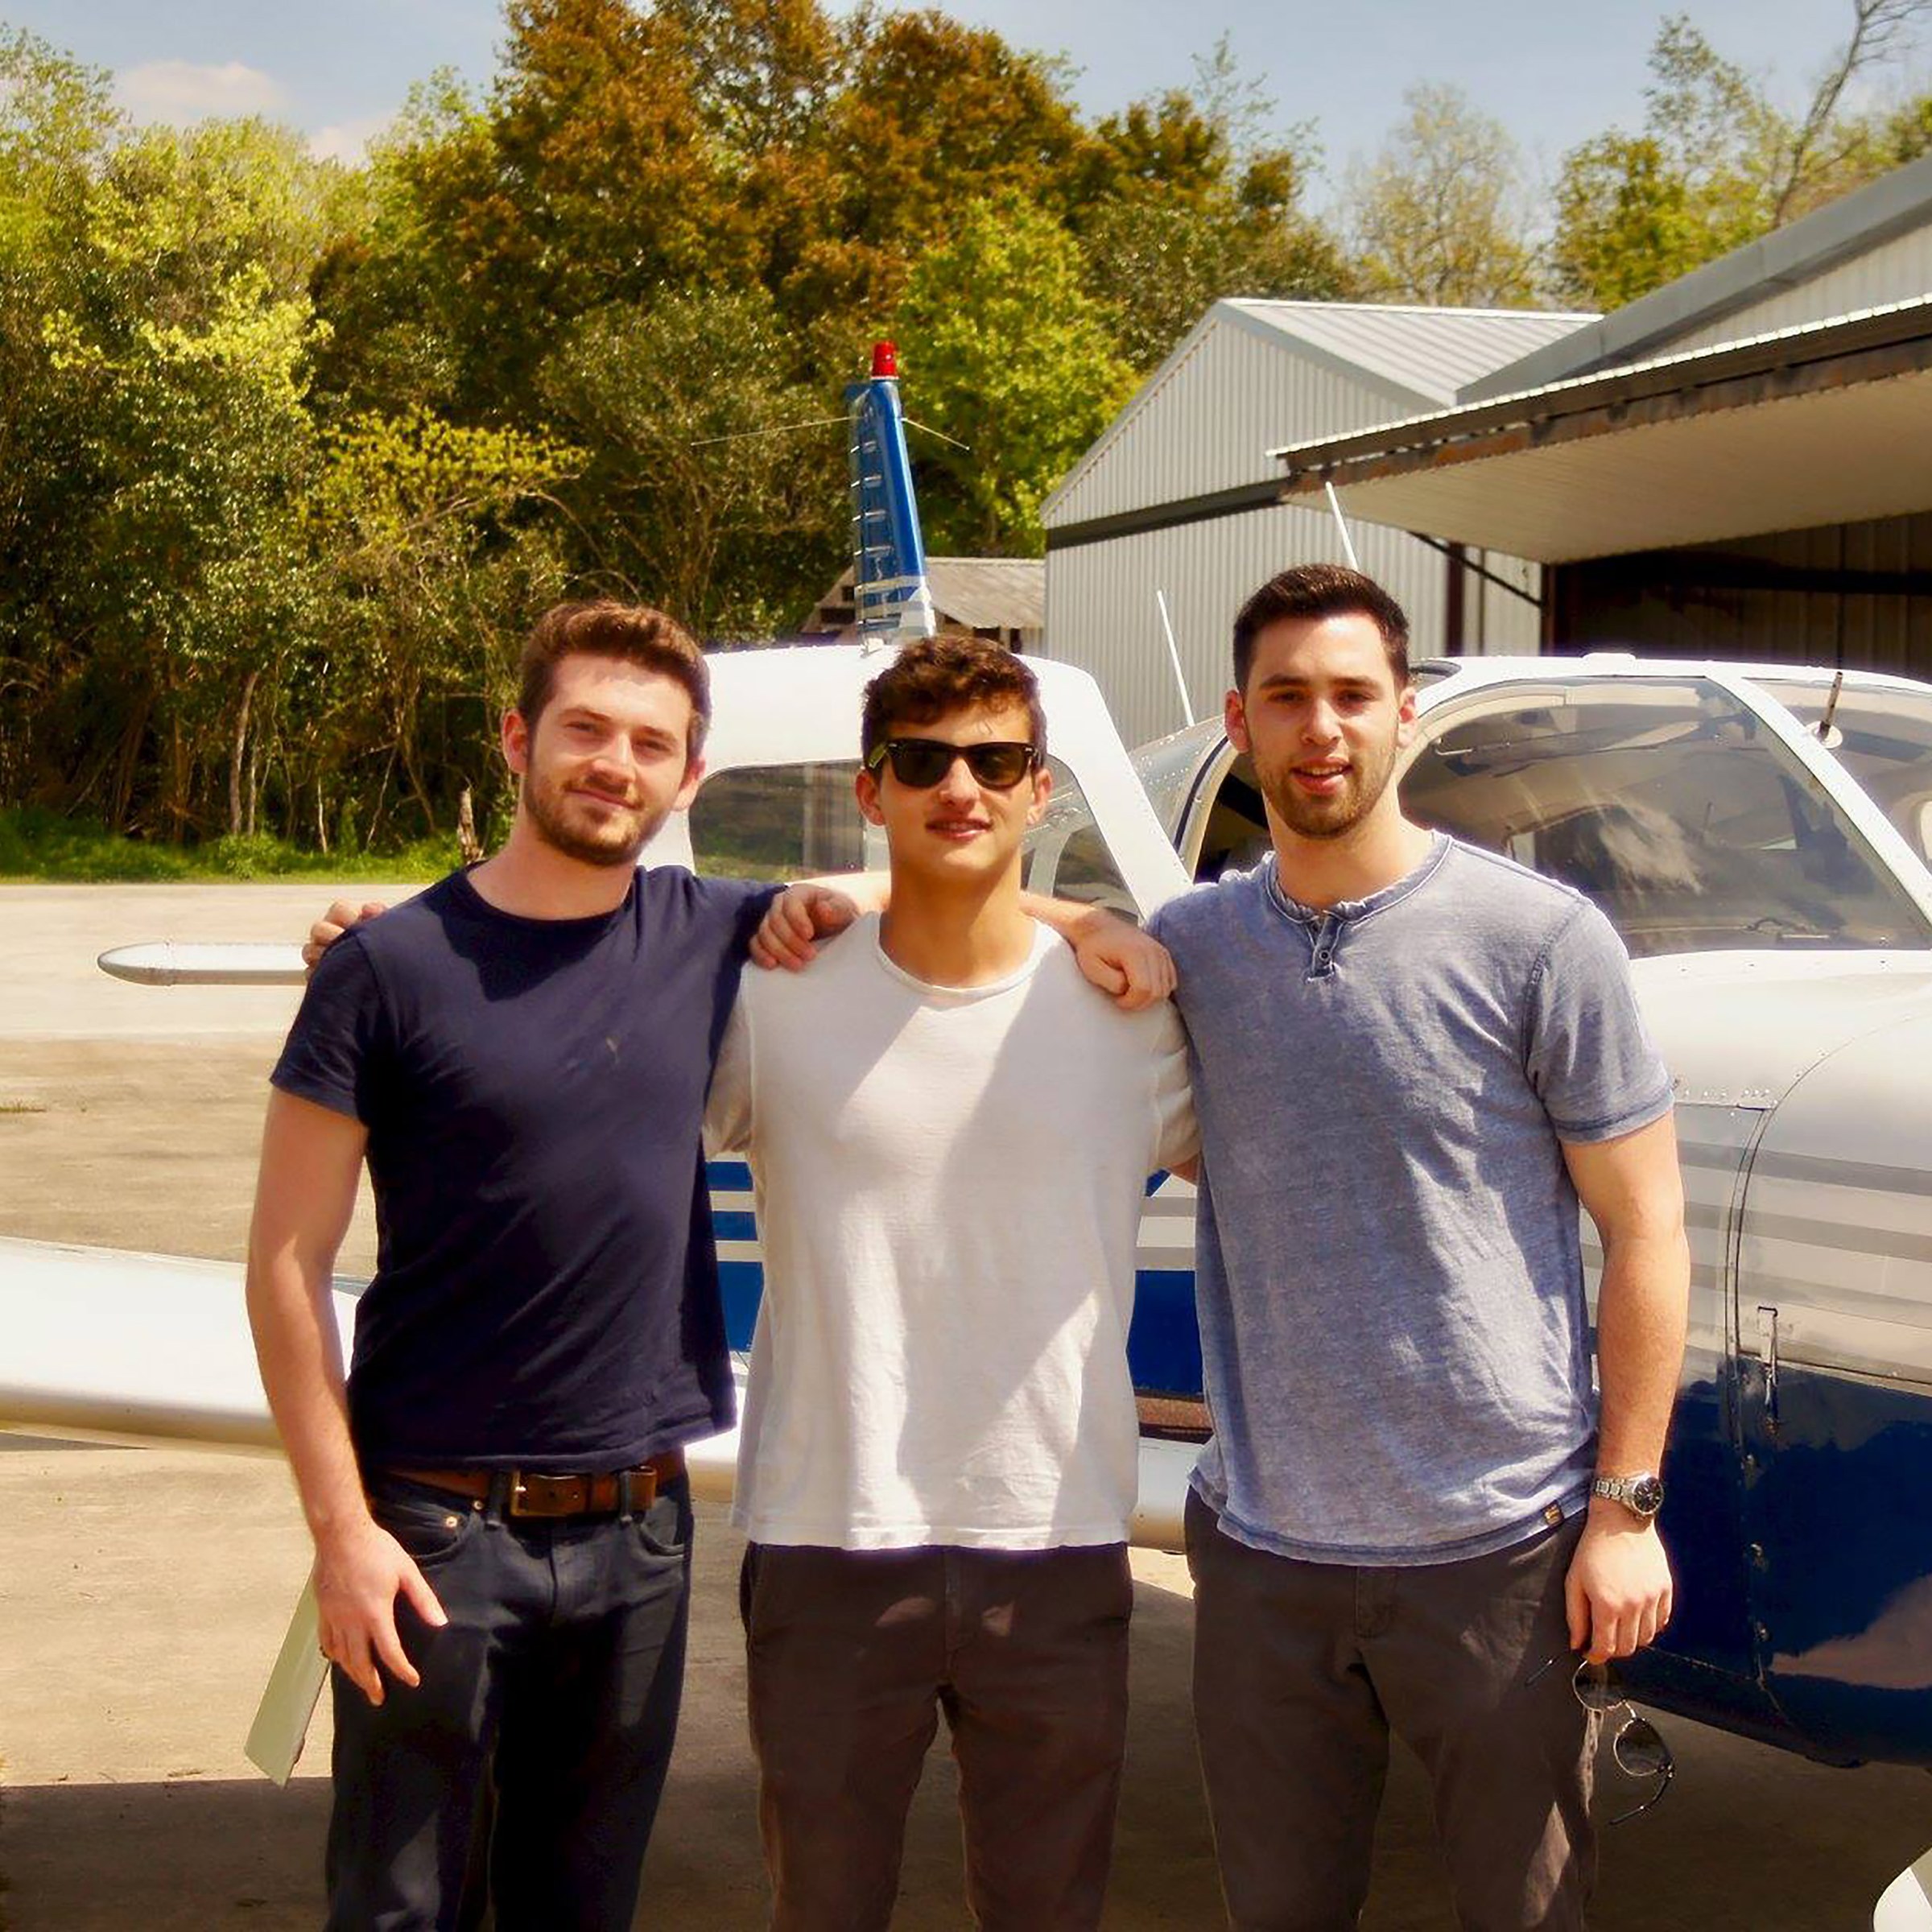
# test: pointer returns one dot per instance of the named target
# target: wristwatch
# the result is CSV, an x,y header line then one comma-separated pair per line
x,y
1641,1494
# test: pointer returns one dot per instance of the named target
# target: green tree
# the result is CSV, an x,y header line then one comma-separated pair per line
x,y
1437,216
1717,163
1191,197
588,177
931,117
428,546
57,123
1006,354
715,485
178,362
394,281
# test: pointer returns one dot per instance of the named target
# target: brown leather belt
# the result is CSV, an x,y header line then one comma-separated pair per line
x,y
531,1492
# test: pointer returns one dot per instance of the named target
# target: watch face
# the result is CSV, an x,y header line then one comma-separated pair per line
x,y
1647,1495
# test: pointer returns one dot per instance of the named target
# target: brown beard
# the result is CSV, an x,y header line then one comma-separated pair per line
x,y
622,840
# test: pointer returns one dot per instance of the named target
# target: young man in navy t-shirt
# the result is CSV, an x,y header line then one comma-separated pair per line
x,y
497,1494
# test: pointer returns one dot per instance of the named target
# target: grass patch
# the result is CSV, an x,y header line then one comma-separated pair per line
x,y
45,847
23,1107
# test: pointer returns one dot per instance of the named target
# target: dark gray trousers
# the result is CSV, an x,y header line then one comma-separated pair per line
x,y
1301,1671
852,1655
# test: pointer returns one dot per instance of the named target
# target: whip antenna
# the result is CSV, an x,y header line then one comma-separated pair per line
x,y
1336,510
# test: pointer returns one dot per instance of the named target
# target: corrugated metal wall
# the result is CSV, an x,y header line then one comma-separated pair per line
x,y
1897,270
1208,425
1857,594
1101,614
1210,422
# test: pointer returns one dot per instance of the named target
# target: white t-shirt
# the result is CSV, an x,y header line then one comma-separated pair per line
x,y
949,1183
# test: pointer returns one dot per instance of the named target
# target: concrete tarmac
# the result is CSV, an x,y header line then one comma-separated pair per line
x,y
143,1593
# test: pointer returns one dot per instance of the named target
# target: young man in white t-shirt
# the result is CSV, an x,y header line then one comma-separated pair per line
x,y
949,1132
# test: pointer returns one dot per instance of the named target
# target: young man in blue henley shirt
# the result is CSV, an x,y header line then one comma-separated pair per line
x,y
1411,1058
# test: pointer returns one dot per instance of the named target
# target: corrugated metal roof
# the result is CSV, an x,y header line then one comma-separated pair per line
x,y
1435,351
1252,373
1891,206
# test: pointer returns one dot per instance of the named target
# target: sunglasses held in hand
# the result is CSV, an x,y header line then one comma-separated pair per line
x,y
1637,1744
921,763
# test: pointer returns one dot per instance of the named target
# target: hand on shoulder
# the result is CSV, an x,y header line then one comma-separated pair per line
x,y
798,917
341,917
1122,960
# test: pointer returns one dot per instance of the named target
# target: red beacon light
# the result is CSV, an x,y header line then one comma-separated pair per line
x,y
885,359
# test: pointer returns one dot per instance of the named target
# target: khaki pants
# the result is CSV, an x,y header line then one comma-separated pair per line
x,y
853,1654
1302,1669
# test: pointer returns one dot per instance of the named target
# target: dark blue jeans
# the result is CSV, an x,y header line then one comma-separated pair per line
x,y
545,1718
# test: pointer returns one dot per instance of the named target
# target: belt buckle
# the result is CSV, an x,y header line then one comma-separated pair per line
x,y
532,1494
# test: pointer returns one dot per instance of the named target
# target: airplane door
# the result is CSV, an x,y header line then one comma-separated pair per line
x,y
1835,1414
1707,1659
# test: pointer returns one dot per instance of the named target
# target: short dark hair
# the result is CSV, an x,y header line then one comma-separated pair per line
x,y
1321,590
604,628
938,674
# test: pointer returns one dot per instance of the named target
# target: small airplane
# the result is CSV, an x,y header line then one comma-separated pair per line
x,y
1780,914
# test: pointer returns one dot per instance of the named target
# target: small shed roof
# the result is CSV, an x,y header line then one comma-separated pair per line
x,y
989,593
975,593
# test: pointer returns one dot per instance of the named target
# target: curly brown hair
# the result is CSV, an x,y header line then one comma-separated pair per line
x,y
938,674
606,629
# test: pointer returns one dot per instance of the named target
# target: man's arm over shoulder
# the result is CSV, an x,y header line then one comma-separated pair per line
x,y
1114,954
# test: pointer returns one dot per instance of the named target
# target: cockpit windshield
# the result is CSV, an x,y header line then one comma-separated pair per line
x,y
1669,803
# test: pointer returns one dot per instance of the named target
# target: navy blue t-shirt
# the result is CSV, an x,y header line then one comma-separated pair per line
x,y
546,1293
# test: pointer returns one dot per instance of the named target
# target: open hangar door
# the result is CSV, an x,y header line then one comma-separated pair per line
x,y
1858,594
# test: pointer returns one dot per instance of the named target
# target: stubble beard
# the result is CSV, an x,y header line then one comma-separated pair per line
x,y
1331,818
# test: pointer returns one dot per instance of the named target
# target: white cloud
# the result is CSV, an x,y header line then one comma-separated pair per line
x,y
181,91
348,141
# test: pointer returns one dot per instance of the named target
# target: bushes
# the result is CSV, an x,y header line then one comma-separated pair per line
x,y
42,845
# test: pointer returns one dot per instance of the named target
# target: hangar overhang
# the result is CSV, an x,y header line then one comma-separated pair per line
x,y
1825,423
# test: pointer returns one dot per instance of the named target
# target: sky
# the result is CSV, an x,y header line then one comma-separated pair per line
x,y
1554,72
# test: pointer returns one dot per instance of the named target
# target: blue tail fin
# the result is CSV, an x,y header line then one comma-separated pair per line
x,y
894,601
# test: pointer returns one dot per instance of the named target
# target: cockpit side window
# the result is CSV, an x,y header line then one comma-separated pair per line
x,y
1883,736
1067,858
777,822
1670,805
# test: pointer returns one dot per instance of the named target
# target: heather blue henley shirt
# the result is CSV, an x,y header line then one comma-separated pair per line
x,y
1395,1343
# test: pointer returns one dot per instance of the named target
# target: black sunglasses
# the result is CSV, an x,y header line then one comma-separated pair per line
x,y
922,763
1637,1744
